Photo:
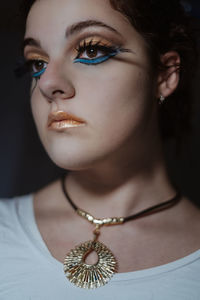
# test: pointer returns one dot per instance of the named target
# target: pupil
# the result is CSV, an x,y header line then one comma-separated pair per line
x,y
92,52
39,65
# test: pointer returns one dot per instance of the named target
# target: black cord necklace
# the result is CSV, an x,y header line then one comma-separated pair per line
x,y
92,276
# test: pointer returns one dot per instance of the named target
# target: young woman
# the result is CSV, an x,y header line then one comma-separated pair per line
x,y
107,88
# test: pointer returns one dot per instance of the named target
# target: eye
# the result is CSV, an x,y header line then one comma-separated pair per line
x,y
37,67
94,53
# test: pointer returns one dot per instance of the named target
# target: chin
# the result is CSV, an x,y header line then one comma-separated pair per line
x,y
70,159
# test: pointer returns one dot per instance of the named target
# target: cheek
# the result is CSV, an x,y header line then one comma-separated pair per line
x,y
117,100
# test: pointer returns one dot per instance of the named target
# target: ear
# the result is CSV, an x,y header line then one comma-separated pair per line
x,y
168,78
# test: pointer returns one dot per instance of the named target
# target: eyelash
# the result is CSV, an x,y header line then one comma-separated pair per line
x,y
95,47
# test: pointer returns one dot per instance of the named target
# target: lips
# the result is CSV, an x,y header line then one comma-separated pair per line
x,y
60,120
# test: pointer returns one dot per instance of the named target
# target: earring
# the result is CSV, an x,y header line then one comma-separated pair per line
x,y
161,99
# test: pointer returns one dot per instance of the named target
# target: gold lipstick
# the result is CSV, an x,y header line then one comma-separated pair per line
x,y
60,120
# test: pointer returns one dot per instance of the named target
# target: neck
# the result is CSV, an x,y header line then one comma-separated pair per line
x,y
120,189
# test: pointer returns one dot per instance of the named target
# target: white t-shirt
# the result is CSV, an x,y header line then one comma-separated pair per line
x,y
28,271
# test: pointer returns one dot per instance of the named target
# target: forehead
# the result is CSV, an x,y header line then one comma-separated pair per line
x,y
47,15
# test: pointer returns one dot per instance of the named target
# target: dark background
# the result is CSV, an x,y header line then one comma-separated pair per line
x,y
24,165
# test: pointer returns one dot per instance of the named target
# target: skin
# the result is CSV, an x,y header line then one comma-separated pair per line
x,y
116,161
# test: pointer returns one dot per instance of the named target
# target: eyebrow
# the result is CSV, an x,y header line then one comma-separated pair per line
x,y
73,29
30,42
77,27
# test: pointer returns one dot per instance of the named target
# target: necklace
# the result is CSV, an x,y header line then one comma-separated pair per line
x,y
89,276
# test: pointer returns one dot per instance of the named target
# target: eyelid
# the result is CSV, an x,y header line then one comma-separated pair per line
x,y
100,43
107,38
97,39
30,55
99,33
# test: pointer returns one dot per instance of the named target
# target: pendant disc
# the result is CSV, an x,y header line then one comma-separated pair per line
x,y
90,276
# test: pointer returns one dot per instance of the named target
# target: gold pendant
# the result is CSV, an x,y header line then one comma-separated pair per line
x,y
88,276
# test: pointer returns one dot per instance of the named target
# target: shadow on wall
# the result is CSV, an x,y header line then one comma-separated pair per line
x,y
24,165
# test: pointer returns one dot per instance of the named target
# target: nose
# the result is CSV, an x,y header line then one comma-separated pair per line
x,y
55,83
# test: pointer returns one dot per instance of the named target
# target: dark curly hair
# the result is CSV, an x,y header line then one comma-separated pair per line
x,y
165,27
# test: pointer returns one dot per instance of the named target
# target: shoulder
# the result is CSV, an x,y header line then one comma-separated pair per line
x,y
9,202
15,214
7,205
10,207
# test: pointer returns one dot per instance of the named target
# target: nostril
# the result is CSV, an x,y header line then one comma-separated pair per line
x,y
62,94
57,92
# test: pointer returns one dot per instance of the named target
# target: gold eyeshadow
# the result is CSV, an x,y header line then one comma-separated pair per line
x,y
35,56
95,40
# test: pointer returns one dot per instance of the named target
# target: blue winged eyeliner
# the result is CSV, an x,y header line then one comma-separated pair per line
x,y
38,74
95,61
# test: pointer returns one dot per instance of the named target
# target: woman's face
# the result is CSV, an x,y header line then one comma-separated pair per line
x,y
89,62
